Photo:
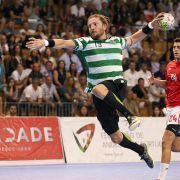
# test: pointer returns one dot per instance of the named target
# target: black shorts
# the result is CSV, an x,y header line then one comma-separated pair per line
x,y
107,115
174,128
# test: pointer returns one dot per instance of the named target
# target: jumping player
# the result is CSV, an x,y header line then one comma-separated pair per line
x,y
102,56
171,137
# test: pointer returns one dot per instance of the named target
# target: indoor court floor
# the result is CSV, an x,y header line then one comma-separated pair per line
x,y
120,171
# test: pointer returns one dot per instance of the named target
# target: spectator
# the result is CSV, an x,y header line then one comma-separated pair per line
x,y
149,12
40,31
131,75
105,10
69,90
155,65
60,75
48,56
70,57
11,91
78,13
34,57
131,104
9,28
35,73
12,111
82,111
156,95
16,58
73,71
16,11
32,98
48,70
141,97
20,76
157,112
145,74
4,44
141,22
161,72
50,95
2,84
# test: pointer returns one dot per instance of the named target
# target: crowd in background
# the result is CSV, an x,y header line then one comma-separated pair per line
x,y
52,81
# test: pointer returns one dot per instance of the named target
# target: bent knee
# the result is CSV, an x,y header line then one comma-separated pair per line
x,y
116,137
100,91
166,145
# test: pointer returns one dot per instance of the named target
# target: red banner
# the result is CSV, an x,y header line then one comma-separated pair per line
x,y
30,138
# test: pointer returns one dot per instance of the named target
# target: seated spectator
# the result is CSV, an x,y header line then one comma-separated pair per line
x,y
156,95
157,112
141,97
70,57
73,71
78,14
131,75
12,110
16,58
16,12
32,98
150,12
47,56
40,31
105,10
2,84
20,76
141,22
4,44
60,75
131,104
69,91
50,95
161,72
34,57
82,111
35,73
144,73
155,65
11,92
48,69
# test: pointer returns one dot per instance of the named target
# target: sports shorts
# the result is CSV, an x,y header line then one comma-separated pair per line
x,y
106,114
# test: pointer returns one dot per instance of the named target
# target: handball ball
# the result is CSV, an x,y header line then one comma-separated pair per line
x,y
167,22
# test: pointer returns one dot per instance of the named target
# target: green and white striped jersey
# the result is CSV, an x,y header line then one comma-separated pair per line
x,y
102,58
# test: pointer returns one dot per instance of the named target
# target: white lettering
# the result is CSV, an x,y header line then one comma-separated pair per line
x,y
22,135
38,131
48,134
11,131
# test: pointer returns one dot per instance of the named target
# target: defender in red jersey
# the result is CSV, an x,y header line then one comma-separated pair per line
x,y
171,137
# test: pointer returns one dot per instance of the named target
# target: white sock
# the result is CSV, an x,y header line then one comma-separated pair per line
x,y
163,171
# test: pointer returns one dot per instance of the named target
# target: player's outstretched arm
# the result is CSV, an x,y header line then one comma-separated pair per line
x,y
142,33
56,43
159,82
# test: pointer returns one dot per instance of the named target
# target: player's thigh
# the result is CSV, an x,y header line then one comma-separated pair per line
x,y
176,145
107,116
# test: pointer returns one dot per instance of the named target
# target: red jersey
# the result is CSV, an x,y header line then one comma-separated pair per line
x,y
173,83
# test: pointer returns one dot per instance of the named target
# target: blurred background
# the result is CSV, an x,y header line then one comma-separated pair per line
x,y
51,82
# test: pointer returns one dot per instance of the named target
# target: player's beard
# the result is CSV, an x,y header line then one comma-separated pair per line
x,y
97,35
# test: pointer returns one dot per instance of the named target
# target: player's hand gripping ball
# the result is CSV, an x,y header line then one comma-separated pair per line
x,y
167,22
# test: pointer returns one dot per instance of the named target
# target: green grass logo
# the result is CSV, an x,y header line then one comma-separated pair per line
x,y
87,139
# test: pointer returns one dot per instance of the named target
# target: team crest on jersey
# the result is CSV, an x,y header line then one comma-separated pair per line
x,y
174,77
112,41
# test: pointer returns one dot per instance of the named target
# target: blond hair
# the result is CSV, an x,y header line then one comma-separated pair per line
x,y
104,19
